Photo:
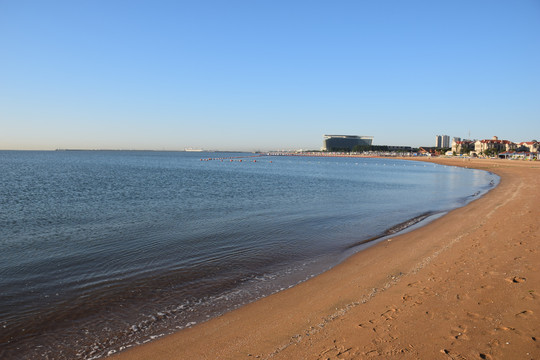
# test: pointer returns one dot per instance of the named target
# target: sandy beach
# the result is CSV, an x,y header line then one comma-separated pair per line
x,y
465,286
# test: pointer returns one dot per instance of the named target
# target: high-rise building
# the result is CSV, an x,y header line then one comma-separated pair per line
x,y
442,141
446,141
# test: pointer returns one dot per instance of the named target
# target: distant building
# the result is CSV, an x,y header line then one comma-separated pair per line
x,y
430,151
345,142
533,146
442,141
399,148
462,146
446,141
480,146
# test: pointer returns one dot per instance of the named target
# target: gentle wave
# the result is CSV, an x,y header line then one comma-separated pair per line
x,y
100,251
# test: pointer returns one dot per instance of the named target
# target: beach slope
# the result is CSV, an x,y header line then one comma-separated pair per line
x,y
465,286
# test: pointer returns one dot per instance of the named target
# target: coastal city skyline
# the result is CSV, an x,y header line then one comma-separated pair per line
x,y
262,76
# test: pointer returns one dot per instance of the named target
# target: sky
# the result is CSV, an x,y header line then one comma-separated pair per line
x,y
265,75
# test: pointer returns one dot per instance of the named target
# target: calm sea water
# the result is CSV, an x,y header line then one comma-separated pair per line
x,y
103,250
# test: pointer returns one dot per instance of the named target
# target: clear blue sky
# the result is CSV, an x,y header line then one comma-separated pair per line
x,y
265,74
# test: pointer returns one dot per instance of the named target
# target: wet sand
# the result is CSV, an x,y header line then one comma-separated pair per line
x,y
465,286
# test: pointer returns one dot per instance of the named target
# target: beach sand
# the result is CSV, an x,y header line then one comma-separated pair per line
x,y
465,286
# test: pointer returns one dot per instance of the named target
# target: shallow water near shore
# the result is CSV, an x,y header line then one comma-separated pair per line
x,y
104,250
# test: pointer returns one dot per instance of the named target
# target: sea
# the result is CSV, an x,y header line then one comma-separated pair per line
x,y
104,250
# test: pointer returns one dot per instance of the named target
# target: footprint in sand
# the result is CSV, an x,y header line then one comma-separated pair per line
x,y
505,328
531,295
388,313
473,315
500,328
453,355
462,297
516,279
485,287
524,313
459,333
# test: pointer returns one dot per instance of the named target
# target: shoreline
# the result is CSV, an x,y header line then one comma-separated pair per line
x,y
373,303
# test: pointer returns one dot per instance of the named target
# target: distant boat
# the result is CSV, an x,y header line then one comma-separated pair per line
x,y
193,150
